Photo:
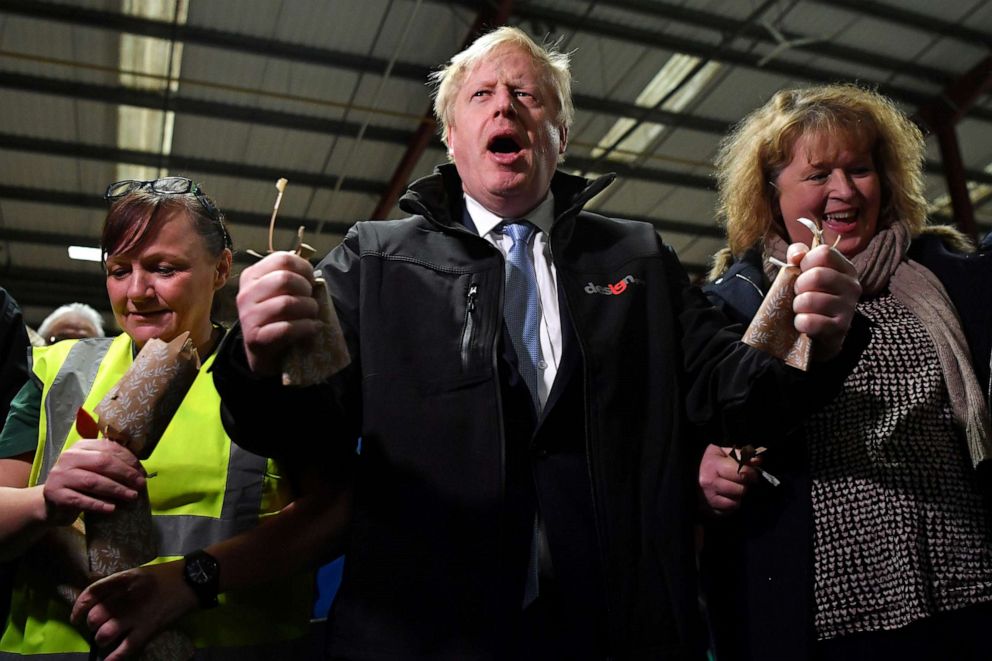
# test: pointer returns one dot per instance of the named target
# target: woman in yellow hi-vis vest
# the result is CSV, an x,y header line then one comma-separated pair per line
x,y
235,546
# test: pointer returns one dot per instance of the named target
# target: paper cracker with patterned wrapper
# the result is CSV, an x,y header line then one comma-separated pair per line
x,y
773,329
140,406
316,359
135,414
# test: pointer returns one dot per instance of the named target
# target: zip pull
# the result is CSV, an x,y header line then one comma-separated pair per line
x,y
473,292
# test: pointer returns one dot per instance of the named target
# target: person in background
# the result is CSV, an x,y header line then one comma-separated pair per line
x,y
72,321
14,348
877,542
519,372
237,534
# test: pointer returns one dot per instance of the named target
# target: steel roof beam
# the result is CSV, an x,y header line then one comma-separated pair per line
x,y
118,94
957,185
653,39
327,57
95,201
191,34
250,219
978,176
960,96
942,114
893,13
177,163
727,26
121,95
49,288
297,121
736,57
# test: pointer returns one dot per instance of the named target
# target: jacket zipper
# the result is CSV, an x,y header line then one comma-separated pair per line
x,y
494,358
468,328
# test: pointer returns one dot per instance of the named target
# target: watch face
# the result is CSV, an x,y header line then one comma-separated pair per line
x,y
202,574
201,569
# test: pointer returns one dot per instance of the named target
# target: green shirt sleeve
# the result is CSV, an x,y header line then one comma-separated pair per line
x,y
20,433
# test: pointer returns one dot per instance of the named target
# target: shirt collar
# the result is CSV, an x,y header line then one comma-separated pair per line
x,y
486,221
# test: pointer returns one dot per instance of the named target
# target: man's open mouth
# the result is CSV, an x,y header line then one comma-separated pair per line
x,y
504,144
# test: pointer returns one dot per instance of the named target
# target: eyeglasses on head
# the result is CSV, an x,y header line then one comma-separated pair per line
x,y
170,186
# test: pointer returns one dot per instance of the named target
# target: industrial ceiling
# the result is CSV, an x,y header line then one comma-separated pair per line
x,y
331,95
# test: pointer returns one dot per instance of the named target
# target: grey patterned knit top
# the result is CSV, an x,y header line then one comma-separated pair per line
x,y
901,531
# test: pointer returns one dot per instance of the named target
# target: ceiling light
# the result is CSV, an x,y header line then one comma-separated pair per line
x,y
669,78
85,254
146,129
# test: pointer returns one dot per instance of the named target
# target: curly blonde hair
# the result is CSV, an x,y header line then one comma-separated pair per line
x,y
760,146
552,63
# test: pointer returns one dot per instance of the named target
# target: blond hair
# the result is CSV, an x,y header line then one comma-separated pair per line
x,y
552,64
760,146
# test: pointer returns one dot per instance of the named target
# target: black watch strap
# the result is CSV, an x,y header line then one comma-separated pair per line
x,y
201,572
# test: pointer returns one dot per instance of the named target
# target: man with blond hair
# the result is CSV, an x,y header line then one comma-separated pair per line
x,y
523,486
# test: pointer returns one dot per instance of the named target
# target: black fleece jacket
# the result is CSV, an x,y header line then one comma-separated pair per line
x,y
449,468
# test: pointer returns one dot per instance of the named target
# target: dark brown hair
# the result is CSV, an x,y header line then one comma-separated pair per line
x,y
131,217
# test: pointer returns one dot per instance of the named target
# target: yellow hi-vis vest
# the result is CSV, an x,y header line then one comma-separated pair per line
x,y
205,489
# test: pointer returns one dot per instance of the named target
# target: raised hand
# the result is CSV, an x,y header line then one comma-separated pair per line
x,y
276,309
827,292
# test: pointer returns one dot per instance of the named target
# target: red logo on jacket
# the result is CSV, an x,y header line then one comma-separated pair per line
x,y
613,289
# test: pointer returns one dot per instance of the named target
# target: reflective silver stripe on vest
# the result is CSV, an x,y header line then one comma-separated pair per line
x,y
67,394
178,534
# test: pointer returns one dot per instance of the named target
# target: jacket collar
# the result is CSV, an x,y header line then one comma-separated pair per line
x,y
438,196
745,271
727,265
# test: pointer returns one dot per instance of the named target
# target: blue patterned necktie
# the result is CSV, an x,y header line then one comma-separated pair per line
x,y
522,311
521,305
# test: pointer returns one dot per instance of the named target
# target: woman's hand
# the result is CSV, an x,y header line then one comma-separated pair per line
x,y
723,482
827,292
91,476
127,609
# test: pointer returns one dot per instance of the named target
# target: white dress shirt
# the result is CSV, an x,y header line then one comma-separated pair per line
x,y
547,280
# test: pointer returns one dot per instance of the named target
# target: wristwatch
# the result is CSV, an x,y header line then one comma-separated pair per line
x,y
202,574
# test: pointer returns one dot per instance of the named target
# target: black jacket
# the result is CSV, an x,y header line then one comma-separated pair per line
x,y
448,466
757,564
14,347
